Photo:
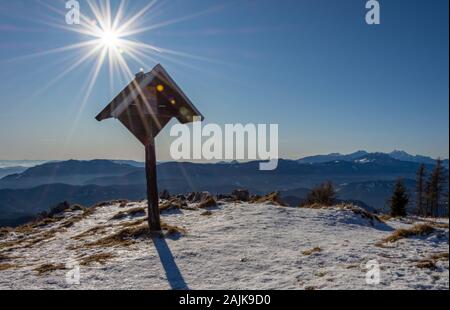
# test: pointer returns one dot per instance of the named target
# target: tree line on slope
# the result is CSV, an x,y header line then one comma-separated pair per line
x,y
431,196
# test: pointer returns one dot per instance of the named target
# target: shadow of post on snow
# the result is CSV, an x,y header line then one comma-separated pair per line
x,y
171,269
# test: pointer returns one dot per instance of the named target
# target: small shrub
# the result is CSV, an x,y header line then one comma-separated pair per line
x,y
241,194
164,195
58,209
323,194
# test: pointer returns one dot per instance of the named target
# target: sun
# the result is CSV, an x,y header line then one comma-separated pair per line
x,y
110,39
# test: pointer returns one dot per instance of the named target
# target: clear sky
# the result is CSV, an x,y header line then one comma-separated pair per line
x,y
331,82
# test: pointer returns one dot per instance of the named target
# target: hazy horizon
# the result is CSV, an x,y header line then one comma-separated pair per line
x,y
210,161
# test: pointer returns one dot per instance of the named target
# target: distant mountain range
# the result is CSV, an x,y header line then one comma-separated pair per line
x,y
17,206
8,167
71,172
183,176
359,155
11,170
367,178
21,163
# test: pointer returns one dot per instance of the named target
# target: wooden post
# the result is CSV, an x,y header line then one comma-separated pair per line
x,y
154,222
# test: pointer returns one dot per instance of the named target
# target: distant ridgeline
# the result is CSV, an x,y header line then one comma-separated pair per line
x,y
367,178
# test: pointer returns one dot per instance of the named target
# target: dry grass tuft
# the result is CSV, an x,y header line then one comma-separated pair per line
x,y
124,237
170,230
11,244
90,232
47,268
207,203
25,229
357,210
273,198
120,202
402,233
360,211
133,232
100,258
7,266
426,264
314,206
311,251
439,225
440,256
321,274
384,217
430,263
134,223
45,236
173,203
50,219
78,218
4,231
30,227
47,222
29,242
133,212
75,207
33,227
68,223
89,211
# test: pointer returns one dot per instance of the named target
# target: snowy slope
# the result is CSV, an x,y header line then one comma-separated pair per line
x,y
238,246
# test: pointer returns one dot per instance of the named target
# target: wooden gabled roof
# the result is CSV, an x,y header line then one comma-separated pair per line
x,y
133,93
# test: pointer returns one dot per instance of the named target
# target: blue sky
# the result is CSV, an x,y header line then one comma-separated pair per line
x,y
331,82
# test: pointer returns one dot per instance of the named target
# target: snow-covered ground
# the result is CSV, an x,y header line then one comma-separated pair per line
x,y
237,246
